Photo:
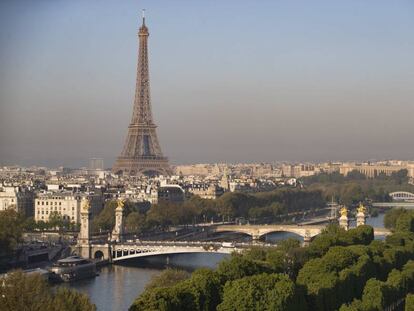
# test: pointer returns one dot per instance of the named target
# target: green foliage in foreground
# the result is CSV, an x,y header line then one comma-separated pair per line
x,y
201,292
379,295
19,291
345,270
167,278
391,216
262,292
409,302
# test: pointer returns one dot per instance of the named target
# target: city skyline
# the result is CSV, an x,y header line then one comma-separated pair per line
x,y
278,81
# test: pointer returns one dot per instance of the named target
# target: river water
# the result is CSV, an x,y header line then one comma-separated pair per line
x,y
117,286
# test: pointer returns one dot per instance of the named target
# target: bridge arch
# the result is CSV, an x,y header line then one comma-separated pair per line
x,y
99,255
257,231
288,234
121,255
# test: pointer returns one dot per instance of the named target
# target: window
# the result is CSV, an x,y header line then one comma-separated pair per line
x,y
47,203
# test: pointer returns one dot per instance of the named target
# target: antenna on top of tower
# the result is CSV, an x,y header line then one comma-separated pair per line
x,y
143,16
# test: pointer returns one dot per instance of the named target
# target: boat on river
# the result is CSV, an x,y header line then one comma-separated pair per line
x,y
72,268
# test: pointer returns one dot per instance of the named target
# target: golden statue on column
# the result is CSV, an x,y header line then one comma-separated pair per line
x,y
343,220
361,215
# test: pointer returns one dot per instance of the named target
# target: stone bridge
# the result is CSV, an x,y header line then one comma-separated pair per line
x,y
114,252
116,249
257,231
308,232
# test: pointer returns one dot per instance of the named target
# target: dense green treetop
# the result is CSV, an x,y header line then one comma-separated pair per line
x,y
332,273
19,291
409,302
167,278
262,292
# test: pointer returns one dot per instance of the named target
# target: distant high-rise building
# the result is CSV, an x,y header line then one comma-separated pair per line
x,y
96,164
142,152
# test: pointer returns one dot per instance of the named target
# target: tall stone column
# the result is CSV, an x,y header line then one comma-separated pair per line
x,y
118,231
343,220
361,215
84,237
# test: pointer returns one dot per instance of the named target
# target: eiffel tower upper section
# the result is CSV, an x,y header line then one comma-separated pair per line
x,y
142,114
142,152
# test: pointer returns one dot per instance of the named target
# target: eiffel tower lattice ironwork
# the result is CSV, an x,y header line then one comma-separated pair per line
x,y
142,152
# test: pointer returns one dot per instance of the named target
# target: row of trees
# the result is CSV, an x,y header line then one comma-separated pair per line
x,y
265,206
400,177
55,222
336,268
355,187
19,291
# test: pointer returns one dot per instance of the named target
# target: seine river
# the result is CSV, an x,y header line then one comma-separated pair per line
x,y
117,286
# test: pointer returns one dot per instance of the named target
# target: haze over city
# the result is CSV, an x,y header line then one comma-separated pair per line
x,y
230,81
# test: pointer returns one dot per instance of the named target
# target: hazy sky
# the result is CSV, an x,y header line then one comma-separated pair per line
x,y
230,80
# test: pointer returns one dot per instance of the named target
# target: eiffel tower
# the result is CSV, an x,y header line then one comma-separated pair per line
x,y
142,152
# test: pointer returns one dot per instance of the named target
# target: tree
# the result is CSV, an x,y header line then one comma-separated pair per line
x,y
10,231
21,291
105,220
135,222
355,175
377,295
207,283
405,222
56,221
409,302
262,292
167,278
161,215
238,267
391,216
70,300
24,292
352,193
181,297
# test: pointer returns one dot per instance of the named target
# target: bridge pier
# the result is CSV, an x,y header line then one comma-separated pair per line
x,y
118,231
83,247
307,238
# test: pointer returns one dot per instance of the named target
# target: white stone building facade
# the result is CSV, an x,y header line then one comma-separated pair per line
x,y
66,204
